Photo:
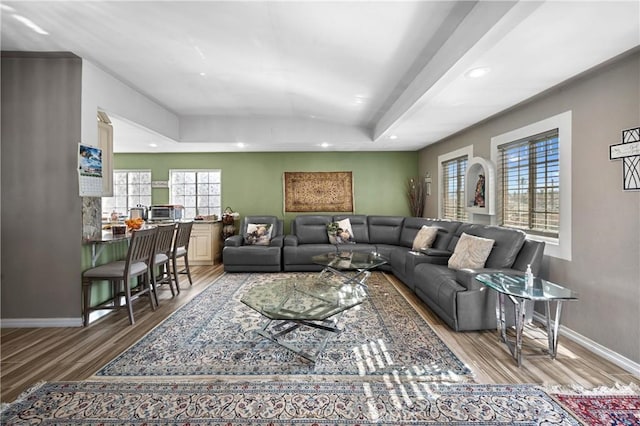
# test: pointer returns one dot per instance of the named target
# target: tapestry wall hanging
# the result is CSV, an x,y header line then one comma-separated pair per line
x,y
318,192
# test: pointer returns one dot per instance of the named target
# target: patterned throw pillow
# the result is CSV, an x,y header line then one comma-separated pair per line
x,y
471,252
340,232
258,234
425,237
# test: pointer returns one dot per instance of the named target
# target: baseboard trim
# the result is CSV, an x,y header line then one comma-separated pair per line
x,y
606,353
40,322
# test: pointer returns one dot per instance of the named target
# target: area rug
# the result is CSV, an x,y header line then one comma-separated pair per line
x,y
280,403
212,335
604,407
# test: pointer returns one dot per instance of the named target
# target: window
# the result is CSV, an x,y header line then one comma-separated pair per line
x,y
130,188
197,190
529,178
451,173
553,186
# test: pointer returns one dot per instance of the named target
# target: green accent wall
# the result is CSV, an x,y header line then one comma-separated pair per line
x,y
252,182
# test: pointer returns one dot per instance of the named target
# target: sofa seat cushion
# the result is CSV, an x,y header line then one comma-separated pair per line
x,y
251,255
302,254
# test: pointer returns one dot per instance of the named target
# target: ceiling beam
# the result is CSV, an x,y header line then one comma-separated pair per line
x,y
477,22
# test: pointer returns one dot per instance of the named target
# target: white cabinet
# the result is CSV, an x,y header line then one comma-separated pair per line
x,y
205,244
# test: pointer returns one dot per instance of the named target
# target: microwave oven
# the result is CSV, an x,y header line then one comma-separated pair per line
x,y
168,212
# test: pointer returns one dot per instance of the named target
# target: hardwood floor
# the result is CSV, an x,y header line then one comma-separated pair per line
x,y
29,356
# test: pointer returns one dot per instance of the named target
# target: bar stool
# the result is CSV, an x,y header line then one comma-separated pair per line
x,y
181,250
120,274
161,273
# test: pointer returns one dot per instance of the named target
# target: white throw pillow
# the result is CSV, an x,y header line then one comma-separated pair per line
x,y
425,237
340,232
258,234
471,252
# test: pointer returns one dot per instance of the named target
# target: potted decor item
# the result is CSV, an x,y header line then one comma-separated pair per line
x,y
416,196
229,222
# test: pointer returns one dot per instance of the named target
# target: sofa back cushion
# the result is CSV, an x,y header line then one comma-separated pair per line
x,y
410,228
359,226
446,230
386,230
311,229
508,242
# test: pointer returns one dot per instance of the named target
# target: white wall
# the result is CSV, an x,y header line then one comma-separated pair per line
x,y
101,91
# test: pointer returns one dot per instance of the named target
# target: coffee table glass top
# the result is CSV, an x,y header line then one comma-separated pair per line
x,y
348,260
303,298
513,285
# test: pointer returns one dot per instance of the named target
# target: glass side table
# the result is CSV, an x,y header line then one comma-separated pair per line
x,y
513,287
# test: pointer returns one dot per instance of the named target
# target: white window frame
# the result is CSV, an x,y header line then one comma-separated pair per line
x,y
465,151
555,247
127,171
196,171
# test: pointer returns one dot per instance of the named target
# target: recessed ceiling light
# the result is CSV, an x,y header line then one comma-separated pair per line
x,y
153,145
29,23
203,74
477,72
324,145
393,137
240,145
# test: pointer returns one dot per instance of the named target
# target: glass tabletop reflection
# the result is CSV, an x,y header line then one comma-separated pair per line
x,y
303,299
514,285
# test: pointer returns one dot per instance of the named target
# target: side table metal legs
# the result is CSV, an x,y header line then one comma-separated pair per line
x,y
520,310
552,334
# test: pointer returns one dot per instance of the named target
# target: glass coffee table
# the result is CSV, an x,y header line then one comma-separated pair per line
x,y
513,287
344,261
295,302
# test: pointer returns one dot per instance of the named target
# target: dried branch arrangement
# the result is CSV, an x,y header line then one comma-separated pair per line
x,y
415,194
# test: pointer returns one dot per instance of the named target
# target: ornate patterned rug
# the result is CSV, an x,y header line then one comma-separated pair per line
x,y
285,403
211,335
603,407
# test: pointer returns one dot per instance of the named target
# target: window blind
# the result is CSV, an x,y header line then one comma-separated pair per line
x,y
529,178
453,172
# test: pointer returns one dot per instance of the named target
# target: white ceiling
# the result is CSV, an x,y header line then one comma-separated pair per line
x,y
289,75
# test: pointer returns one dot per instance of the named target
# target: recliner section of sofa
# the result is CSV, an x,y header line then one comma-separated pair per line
x,y
454,295
239,257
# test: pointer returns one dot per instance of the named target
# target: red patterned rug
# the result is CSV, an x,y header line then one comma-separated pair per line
x,y
620,408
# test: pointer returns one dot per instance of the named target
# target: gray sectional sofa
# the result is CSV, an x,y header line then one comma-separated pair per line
x,y
454,295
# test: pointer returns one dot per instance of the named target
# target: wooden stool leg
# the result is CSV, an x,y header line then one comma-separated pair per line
x,y
86,301
175,274
167,275
186,266
127,296
149,278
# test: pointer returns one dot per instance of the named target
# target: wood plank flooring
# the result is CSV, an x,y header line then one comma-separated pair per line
x,y
29,356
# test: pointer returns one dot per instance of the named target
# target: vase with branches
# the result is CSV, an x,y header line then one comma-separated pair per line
x,y
415,195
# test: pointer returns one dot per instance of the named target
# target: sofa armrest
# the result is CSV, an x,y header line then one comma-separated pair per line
x,y
234,241
417,258
436,252
290,240
277,241
467,277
